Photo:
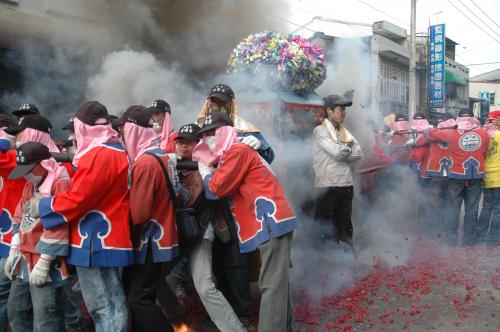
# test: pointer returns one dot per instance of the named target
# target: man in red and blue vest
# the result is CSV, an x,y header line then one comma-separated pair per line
x,y
467,147
97,205
263,216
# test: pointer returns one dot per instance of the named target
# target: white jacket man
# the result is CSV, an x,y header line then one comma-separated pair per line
x,y
335,151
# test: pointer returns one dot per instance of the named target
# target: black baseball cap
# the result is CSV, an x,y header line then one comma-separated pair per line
x,y
28,156
466,112
159,106
90,111
214,121
26,109
400,117
189,131
335,100
419,116
446,116
33,121
6,120
222,92
138,115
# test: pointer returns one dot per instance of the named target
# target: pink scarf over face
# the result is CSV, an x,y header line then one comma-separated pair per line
x,y
88,137
419,124
447,123
400,125
55,172
225,136
165,131
33,135
467,123
138,140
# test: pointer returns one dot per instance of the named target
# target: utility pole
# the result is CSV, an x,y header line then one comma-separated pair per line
x,y
412,78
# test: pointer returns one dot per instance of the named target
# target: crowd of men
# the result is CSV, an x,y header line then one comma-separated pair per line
x,y
107,227
138,201
456,163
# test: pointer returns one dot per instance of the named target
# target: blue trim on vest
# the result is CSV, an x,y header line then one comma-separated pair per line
x,y
116,146
104,258
471,166
6,227
208,193
265,210
151,235
94,227
4,249
49,218
445,164
52,249
157,151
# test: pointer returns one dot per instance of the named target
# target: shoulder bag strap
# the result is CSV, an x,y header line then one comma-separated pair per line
x,y
169,183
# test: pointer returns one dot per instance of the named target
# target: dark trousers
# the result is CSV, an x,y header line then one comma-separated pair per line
x,y
333,213
230,268
434,213
468,192
140,282
488,230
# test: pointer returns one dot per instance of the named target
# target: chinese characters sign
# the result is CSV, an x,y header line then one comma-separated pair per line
x,y
436,66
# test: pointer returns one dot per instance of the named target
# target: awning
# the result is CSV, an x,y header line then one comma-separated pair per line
x,y
450,77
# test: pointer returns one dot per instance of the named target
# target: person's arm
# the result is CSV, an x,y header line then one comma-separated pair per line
x,y
145,180
356,152
19,212
264,150
326,144
227,178
439,135
55,242
96,173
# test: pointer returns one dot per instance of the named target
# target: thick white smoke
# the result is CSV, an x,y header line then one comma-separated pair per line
x,y
132,77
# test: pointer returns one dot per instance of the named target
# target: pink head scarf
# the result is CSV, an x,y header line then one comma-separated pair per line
x,y
33,135
225,136
165,131
419,124
467,123
138,139
447,123
400,125
88,137
55,172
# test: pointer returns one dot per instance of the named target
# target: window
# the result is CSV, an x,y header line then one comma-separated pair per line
x,y
394,84
492,98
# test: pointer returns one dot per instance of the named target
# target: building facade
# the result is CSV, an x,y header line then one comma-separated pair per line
x,y
389,48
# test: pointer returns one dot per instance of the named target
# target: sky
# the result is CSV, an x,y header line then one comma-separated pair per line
x,y
476,46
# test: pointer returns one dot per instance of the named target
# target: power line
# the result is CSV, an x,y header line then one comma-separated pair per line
x,y
467,17
480,20
475,48
293,23
318,10
475,4
483,63
388,15
380,11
